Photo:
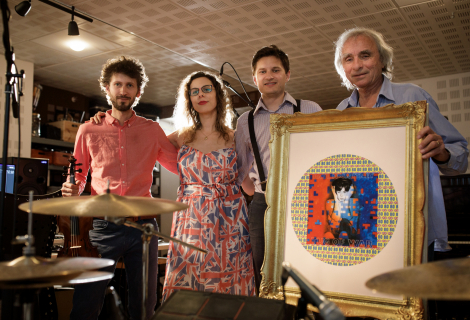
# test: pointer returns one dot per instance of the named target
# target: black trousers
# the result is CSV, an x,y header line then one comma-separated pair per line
x,y
256,212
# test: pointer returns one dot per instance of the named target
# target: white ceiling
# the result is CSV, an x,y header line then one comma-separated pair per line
x,y
175,37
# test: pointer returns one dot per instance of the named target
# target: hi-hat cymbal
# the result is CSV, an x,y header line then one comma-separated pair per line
x,y
85,277
90,276
39,269
441,280
106,204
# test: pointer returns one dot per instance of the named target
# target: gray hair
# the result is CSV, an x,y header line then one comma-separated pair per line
x,y
385,51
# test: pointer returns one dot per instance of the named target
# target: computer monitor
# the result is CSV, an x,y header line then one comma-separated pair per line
x,y
10,185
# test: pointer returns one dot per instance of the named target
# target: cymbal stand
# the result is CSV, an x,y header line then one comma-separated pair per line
x,y
301,311
27,296
27,299
28,240
148,231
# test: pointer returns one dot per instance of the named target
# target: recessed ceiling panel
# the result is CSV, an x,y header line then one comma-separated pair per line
x,y
320,12
61,41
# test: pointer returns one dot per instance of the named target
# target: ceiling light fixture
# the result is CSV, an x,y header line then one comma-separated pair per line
x,y
60,7
73,26
77,45
23,8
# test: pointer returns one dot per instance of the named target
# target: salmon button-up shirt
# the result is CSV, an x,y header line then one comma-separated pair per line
x,y
125,155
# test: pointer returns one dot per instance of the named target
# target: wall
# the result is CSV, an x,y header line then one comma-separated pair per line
x,y
169,184
452,94
26,111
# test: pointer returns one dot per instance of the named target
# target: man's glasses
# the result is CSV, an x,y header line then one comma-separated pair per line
x,y
204,89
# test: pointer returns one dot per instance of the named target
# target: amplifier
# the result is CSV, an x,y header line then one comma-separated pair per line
x,y
32,175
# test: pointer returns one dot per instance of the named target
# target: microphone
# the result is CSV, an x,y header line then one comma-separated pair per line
x,y
328,310
227,84
248,100
222,70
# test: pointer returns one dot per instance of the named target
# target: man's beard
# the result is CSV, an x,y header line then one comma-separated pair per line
x,y
122,105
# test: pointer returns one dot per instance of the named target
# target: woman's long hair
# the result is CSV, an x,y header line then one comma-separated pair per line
x,y
186,119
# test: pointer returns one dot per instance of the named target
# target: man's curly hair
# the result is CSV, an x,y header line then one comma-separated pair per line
x,y
127,65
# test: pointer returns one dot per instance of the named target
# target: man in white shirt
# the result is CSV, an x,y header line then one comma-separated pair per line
x,y
271,72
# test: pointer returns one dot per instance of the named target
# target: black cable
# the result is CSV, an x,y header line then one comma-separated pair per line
x,y
17,167
9,61
15,182
238,80
6,33
221,73
285,303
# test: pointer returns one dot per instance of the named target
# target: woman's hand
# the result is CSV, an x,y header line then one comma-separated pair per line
x,y
97,117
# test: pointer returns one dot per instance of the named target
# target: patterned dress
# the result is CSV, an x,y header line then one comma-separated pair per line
x,y
216,220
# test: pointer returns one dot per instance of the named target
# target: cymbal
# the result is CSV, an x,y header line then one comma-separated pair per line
x,y
91,276
106,204
440,280
85,277
39,269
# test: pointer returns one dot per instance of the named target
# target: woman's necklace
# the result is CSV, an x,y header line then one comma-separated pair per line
x,y
206,136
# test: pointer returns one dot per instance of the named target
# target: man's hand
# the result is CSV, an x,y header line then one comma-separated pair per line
x,y
97,117
248,186
69,189
432,145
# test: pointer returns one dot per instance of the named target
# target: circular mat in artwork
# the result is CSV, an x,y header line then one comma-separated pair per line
x,y
352,224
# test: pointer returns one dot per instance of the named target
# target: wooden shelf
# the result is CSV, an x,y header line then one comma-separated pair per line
x,y
54,167
52,142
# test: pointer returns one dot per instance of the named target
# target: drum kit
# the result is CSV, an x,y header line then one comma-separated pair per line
x,y
442,280
30,272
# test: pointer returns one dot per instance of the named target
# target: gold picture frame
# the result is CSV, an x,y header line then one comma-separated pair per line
x,y
386,135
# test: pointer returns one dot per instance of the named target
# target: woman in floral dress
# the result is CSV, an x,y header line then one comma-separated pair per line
x,y
216,219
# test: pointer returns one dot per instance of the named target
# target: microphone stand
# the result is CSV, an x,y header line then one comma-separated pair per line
x,y
9,87
6,295
227,84
310,294
249,102
301,312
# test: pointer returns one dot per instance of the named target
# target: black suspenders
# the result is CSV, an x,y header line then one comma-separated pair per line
x,y
296,106
254,145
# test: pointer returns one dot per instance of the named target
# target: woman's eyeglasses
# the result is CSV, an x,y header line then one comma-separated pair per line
x,y
204,89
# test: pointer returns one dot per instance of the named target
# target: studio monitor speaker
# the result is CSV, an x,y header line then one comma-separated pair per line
x,y
32,175
188,305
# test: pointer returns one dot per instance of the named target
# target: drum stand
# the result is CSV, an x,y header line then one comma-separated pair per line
x,y
27,296
27,300
148,231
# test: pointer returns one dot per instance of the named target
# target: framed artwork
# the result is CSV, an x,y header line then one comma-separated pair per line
x,y
345,199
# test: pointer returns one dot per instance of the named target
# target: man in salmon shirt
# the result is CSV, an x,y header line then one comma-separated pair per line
x,y
122,149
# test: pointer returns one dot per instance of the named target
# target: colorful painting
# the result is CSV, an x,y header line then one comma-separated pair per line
x,y
344,210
